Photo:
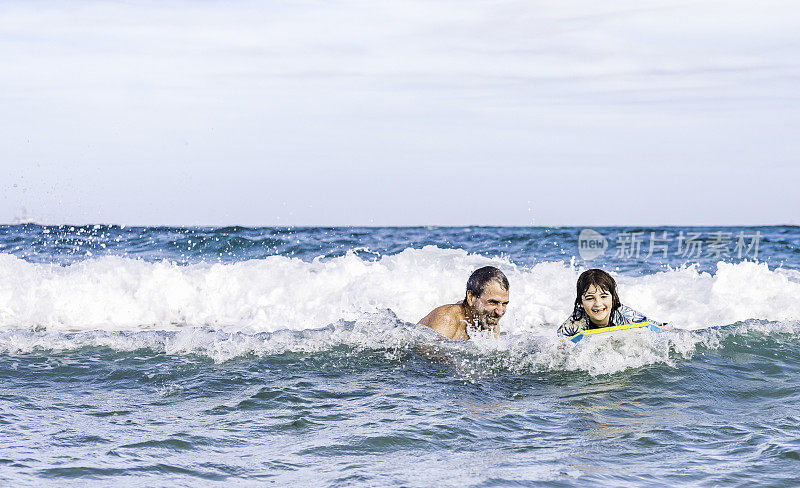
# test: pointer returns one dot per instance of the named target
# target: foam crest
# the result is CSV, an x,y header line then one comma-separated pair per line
x,y
395,340
381,330
283,293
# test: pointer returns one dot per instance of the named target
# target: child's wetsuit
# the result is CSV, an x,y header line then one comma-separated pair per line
x,y
621,316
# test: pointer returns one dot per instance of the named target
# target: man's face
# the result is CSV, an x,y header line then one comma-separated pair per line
x,y
490,306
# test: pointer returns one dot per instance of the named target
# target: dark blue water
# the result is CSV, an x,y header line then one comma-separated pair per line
x,y
245,357
776,246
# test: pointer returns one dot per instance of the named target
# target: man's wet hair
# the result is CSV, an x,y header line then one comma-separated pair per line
x,y
481,277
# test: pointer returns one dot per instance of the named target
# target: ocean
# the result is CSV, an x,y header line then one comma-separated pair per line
x,y
170,356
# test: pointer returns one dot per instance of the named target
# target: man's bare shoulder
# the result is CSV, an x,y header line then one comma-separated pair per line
x,y
453,311
447,320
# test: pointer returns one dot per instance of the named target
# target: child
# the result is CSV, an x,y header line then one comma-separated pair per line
x,y
597,305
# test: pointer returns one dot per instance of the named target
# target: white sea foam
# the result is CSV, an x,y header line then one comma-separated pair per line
x,y
280,304
277,293
382,332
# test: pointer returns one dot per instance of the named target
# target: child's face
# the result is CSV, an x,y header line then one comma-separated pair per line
x,y
596,303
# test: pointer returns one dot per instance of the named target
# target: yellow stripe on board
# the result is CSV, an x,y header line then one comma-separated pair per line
x,y
615,327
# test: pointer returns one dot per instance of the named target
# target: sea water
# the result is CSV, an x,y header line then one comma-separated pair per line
x,y
155,356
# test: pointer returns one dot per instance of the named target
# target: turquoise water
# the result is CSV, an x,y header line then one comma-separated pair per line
x,y
286,356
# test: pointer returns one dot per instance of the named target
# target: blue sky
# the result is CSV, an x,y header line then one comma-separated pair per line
x,y
400,113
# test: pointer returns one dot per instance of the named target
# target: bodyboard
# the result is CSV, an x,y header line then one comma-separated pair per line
x,y
580,335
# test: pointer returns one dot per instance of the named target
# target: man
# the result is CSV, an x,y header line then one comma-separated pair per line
x,y
483,306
